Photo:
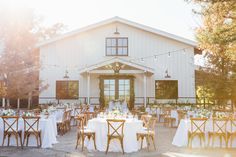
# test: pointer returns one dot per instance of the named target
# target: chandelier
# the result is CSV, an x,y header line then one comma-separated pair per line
x,y
116,67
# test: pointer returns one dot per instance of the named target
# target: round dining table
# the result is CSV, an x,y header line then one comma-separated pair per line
x,y
131,127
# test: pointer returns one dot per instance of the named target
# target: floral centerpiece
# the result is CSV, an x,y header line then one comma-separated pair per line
x,y
203,113
220,115
27,114
8,112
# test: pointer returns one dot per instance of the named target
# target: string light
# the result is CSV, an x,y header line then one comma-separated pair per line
x,y
142,59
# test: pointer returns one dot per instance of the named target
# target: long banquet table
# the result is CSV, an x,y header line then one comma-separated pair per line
x,y
181,135
131,127
48,129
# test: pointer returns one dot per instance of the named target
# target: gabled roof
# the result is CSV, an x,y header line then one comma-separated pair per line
x,y
124,21
119,60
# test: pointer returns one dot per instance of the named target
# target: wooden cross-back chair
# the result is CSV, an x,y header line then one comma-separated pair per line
x,y
232,133
148,132
88,116
145,119
77,112
68,120
219,130
10,127
115,131
165,111
168,120
197,129
31,127
83,132
61,125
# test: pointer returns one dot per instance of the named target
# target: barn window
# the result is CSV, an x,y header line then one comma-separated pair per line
x,y
117,46
67,89
166,89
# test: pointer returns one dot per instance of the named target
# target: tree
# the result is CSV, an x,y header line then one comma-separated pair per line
x,y
217,38
20,30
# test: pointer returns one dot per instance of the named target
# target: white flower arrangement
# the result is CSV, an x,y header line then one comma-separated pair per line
x,y
27,114
203,113
8,112
220,115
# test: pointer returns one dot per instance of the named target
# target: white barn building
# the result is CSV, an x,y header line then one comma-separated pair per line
x,y
118,59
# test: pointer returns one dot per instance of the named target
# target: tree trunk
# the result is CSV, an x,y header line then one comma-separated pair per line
x,y
8,102
18,103
3,102
29,100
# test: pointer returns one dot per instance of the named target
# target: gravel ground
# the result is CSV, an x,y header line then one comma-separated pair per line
x,y
66,148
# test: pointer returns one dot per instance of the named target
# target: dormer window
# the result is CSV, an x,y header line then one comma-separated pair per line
x,y
117,46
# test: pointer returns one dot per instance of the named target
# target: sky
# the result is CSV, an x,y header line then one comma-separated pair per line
x,y
172,16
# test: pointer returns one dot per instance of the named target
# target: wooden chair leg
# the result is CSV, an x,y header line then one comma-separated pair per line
x,y
122,145
16,137
40,140
148,143
208,142
77,141
21,140
4,137
8,140
82,143
94,141
108,143
27,140
142,142
153,140
37,140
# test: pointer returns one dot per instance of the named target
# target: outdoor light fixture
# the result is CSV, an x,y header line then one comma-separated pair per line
x,y
66,75
155,58
116,32
116,68
168,54
167,74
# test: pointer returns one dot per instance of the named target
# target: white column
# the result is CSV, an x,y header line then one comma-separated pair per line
x,y
3,102
145,89
88,87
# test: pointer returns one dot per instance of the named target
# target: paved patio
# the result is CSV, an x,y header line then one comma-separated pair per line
x,y
66,148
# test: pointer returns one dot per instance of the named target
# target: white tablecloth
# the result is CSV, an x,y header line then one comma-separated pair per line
x,y
48,129
181,135
131,127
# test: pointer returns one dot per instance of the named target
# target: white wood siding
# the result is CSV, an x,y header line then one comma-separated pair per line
x,y
84,49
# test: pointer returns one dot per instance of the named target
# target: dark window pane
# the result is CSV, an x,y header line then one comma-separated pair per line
x,y
113,42
166,89
67,89
120,42
113,51
125,42
125,51
120,52
109,52
117,46
108,42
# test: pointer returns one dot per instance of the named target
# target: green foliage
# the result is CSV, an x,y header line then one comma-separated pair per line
x,y
20,31
217,37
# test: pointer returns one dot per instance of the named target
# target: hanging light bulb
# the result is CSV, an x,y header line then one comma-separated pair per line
x,y
155,58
